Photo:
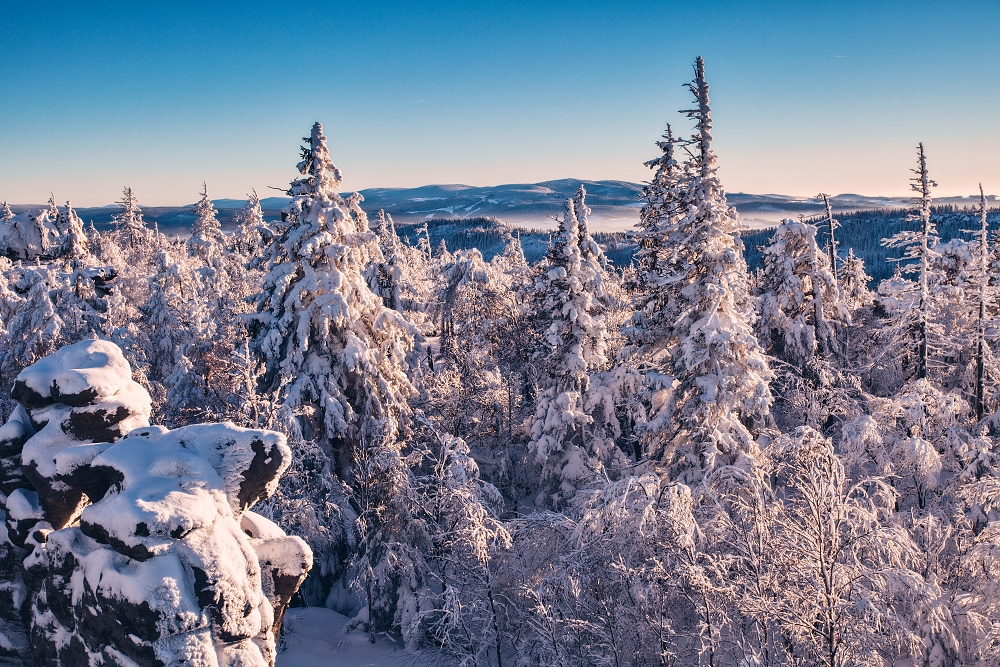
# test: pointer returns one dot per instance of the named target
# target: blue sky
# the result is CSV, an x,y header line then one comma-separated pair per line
x,y
807,96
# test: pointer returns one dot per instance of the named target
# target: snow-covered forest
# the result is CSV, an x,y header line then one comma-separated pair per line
x,y
679,461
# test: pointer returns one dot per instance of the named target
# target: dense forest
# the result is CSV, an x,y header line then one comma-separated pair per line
x,y
687,445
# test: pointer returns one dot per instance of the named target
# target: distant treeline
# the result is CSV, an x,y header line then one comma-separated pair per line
x,y
864,230
861,231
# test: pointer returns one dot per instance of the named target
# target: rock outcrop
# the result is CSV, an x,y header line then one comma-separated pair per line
x,y
133,544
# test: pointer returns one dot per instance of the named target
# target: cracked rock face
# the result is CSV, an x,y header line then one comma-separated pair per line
x,y
139,549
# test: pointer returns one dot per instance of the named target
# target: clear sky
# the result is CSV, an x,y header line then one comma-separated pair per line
x,y
807,96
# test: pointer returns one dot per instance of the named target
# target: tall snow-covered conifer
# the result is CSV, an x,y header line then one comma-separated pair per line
x,y
694,339
207,239
853,282
983,277
74,243
917,245
251,232
800,303
130,228
328,341
566,300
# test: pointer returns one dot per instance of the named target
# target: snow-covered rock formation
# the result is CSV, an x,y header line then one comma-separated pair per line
x,y
141,551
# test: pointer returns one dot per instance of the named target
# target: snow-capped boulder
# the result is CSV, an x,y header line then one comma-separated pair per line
x,y
137,551
284,561
29,235
164,558
76,375
77,401
13,435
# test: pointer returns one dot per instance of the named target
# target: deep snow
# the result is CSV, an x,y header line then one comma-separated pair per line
x,y
314,637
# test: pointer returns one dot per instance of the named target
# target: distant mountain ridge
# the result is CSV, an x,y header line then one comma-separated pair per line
x,y
615,205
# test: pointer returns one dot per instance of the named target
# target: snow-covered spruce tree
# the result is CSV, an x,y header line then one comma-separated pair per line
x,y
74,243
37,329
327,340
831,227
800,303
251,232
170,286
853,282
10,300
590,252
694,340
53,212
912,325
982,352
130,247
225,280
568,313
207,240
386,276
334,355
130,230
658,216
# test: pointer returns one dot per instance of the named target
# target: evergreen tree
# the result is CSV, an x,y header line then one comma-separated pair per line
x,y
207,239
37,329
915,321
659,213
386,276
697,348
327,340
853,282
573,339
130,230
75,244
250,232
800,302
53,213
334,355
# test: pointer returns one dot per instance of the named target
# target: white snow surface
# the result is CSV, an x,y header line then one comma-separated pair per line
x,y
93,364
315,637
52,450
225,446
176,481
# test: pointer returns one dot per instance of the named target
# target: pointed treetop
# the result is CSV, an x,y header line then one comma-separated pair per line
x,y
322,177
130,215
386,229
582,211
206,226
920,182
53,209
703,114
75,243
565,244
665,162
251,215
5,212
579,203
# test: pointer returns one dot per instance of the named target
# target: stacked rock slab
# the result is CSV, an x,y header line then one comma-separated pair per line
x,y
138,551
